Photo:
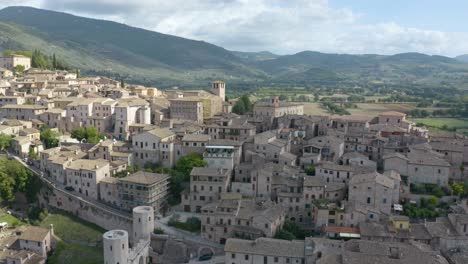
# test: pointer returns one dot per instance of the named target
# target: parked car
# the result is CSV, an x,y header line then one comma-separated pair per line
x,y
69,188
205,257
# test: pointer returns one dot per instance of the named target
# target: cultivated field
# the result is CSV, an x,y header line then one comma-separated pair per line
x,y
314,109
371,110
363,109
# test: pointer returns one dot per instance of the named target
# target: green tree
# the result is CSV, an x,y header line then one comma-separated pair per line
x,y
247,103
284,235
18,69
458,189
122,83
239,108
185,164
32,154
54,62
5,141
90,134
283,97
310,170
434,201
49,138
7,184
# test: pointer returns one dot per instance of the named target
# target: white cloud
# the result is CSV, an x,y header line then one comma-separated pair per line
x,y
276,25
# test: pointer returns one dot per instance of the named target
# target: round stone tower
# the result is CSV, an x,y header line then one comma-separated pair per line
x,y
143,223
115,247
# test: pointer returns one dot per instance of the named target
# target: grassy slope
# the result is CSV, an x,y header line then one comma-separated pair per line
x,y
11,220
70,228
76,254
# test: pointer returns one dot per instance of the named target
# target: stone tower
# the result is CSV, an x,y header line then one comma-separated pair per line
x,y
143,223
115,247
219,88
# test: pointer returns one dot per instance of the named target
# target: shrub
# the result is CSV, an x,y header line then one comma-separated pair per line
x,y
158,231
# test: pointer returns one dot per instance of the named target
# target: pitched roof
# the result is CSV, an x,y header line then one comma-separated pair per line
x,y
34,233
196,137
147,178
86,164
209,171
32,107
392,113
266,246
161,132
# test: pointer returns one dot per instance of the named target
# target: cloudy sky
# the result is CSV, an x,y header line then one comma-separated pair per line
x,y
289,26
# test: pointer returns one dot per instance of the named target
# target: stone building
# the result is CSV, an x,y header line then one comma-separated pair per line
x,y
154,146
264,250
143,189
10,62
129,111
375,190
419,165
190,108
206,186
234,216
274,108
83,176
22,112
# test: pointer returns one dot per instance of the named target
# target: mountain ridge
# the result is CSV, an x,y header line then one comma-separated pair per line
x,y
117,50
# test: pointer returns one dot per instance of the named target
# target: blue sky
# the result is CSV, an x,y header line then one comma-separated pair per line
x,y
449,15
290,26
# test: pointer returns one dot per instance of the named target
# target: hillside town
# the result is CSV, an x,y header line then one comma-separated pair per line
x,y
271,186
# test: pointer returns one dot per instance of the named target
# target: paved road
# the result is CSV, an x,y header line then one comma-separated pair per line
x,y
181,234
162,224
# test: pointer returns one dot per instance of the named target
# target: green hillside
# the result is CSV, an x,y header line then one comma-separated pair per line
x,y
119,51
110,48
404,69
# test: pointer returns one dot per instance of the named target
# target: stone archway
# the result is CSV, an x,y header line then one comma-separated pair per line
x,y
202,251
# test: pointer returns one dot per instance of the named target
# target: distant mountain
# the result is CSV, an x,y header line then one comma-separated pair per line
x,y
113,48
405,68
255,56
462,58
137,55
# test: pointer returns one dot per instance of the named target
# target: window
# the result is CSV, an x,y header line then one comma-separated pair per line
x,y
233,255
368,200
246,257
276,259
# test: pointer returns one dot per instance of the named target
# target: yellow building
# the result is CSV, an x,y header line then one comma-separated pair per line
x,y
400,222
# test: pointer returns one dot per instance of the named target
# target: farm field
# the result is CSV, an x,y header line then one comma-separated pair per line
x,y
372,110
439,122
314,109
363,109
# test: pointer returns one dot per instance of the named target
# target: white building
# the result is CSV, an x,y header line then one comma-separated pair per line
x,y
10,62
